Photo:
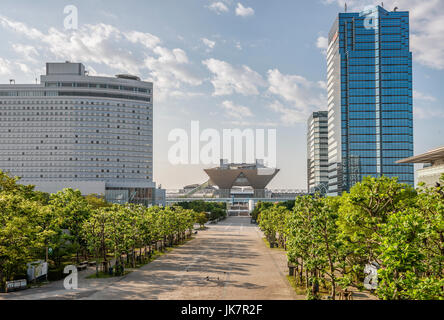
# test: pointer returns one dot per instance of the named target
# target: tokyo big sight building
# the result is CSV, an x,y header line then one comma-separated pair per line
x,y
83,132
370,109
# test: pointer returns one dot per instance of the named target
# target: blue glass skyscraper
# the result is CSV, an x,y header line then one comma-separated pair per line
x,y
370,109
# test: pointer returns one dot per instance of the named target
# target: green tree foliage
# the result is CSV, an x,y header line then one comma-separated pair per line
x,y
412,249
67,223
274,222
73,209
260,207
127,230
95,201
20,236
313,242
216,210
201,219
331,240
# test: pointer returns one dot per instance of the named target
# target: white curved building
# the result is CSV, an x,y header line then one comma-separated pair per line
x,y
77,131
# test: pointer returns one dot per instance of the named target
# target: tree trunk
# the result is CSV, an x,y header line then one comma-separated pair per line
x,y
2,282
333,288
315,285
301,272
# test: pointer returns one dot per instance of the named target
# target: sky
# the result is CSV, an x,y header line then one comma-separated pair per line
x,y
248,64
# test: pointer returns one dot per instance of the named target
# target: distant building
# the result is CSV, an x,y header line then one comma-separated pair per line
x,y
241,180
317,152
433,168
370,108
83,132
160,197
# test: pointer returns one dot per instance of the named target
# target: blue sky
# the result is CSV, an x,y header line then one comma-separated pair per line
x,y
229,64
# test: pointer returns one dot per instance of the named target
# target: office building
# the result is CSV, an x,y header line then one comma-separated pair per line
x,y
433,168
370,112
78,131
317,152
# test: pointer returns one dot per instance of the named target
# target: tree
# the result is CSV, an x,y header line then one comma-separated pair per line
x,y
260,206
217,210
404,269
20,235
95,201
362,212
273,221
73,209
201,219
412,250
99,234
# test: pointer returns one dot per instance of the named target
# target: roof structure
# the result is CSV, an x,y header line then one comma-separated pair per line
x,y
428,157
232,175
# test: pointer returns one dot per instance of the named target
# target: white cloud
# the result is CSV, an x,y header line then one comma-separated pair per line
x,y
170,71
424,108
5,67
423,96
105,45
209,43
236,111
254,124
28,52
244,11
322,85
294,96
20,27
322,43
296,89
23,67
147,39
19,71
301,95
289,116
218,7
424,113
228,79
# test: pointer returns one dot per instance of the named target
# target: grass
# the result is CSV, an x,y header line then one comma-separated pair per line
x,y
267,243
297,288
154,256
301,290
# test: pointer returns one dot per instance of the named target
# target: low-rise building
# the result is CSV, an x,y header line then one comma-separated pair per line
x,y
433,166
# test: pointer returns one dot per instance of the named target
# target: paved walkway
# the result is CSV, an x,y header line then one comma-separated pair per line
x,y
229,261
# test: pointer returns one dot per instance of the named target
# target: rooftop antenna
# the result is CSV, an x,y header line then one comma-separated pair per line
x,y
382,4
345,7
